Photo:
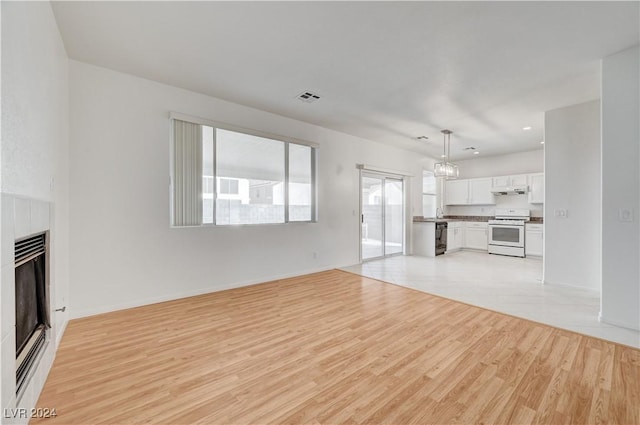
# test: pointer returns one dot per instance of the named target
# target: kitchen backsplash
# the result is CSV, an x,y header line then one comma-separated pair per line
x,y
502,201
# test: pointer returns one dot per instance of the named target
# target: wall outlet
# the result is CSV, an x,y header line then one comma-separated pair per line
x,y
561,213
625,214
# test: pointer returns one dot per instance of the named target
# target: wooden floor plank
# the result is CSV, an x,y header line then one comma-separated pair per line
x,y
334,347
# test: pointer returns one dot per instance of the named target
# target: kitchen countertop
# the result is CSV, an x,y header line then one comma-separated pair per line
x,y
448,218
478,218
418,219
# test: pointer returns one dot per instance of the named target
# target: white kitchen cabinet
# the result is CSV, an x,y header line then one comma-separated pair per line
x,y
520,180
456,192
501,181
475,235
469,192
514,180
424,239
480,192
536,188
455,235
533,239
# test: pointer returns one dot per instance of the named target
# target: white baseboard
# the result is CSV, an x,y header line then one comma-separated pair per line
x,y
76,314
61,332
619,324
566,285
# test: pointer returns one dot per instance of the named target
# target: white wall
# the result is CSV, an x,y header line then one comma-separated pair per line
x,y
620,301
123,251
501,165
34,152
572,183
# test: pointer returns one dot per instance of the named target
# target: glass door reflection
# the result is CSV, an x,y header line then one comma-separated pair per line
x,y
372,215
393,217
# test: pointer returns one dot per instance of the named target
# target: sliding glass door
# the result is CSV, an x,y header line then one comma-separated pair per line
x,y
393,216
382,216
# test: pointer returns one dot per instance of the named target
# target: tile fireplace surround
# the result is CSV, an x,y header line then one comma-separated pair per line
x,y
21,217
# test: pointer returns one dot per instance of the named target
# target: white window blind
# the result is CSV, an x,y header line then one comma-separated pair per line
x,y
187,173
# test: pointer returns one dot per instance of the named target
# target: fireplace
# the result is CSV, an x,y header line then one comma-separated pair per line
x,y
32,304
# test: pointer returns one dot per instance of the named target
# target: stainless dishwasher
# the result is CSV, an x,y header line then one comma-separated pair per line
x,y
441,237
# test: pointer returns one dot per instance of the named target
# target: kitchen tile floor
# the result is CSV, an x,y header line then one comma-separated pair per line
x,y
505,284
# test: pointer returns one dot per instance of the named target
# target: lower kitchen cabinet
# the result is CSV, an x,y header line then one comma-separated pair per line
x,y
424,239
475,235
533,240
455,235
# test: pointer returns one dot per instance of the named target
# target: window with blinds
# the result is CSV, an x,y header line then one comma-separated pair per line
x,y
228,177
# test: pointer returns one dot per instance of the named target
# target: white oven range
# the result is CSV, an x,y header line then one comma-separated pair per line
x,y
506,232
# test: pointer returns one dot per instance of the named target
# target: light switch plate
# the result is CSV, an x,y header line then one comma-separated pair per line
x,y
625,214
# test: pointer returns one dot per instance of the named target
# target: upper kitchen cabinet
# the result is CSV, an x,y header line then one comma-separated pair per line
x,y
515,180
480,192
469,192
536,188
457,192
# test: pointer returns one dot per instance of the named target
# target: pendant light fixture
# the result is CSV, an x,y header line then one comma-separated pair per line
x,y
446,169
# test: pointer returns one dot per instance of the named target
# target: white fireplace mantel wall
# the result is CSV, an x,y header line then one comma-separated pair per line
x,y
34,175
22,217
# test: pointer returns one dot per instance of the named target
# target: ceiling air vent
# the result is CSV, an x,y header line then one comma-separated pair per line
x,y
307,96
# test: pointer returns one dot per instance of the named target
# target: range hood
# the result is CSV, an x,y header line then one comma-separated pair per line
x,y
510,190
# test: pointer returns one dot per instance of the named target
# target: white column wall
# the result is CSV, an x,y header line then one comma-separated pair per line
x,y
572,185
620,303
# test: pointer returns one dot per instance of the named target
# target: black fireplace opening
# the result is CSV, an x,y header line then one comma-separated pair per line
x,y
32,306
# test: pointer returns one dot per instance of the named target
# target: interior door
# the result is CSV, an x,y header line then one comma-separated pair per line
x,y
382,219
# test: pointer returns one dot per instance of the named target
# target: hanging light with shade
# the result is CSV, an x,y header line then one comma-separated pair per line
x,y
446,169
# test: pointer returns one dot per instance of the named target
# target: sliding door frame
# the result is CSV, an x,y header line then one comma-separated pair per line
x,y
383,175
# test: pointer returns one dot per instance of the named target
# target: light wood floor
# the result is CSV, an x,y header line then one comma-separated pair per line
x,y
331,348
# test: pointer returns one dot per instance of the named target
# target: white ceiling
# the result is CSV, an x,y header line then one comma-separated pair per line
x,y
386,71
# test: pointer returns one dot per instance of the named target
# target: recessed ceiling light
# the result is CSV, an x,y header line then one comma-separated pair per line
x,y
443,156
542,143
476,153
527,128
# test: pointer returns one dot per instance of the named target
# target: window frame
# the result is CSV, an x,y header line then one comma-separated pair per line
x,y
275,137
433,194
